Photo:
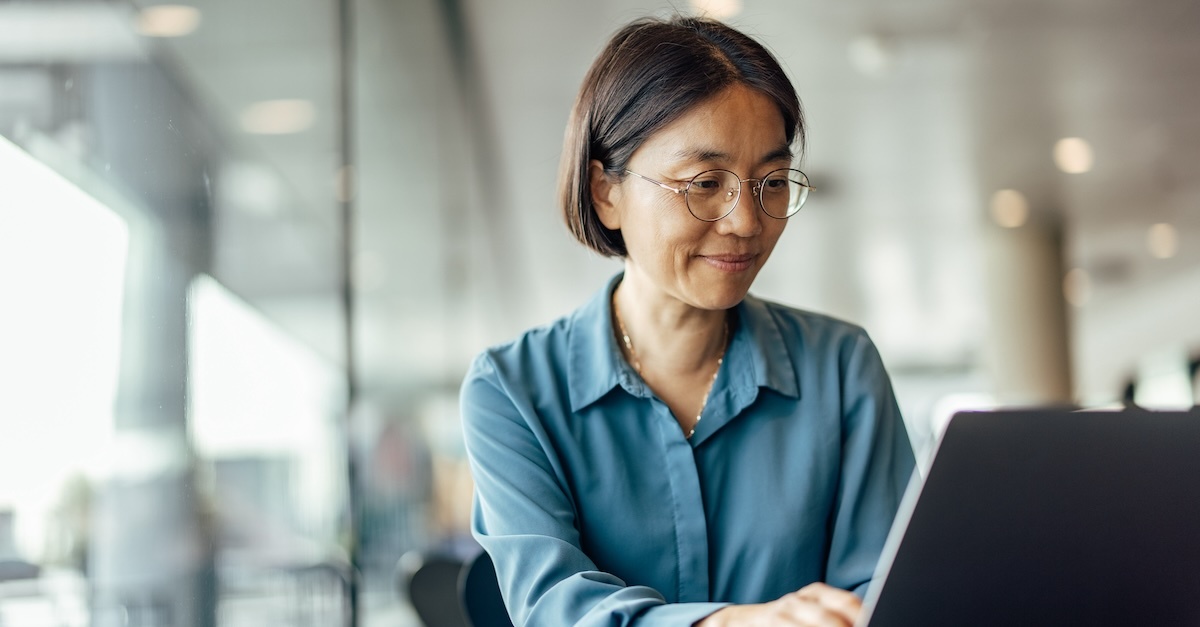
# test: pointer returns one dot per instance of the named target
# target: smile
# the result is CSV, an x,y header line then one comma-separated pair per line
x,y
730,263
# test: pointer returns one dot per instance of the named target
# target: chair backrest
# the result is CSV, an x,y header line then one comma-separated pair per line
x,y
480,594
431,584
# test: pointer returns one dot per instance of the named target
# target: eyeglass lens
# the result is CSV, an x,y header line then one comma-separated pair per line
x,y
713,194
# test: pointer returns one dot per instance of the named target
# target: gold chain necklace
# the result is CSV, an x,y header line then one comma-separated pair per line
x,y
637,364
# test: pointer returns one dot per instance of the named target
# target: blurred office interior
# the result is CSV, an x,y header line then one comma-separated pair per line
x,y
248,249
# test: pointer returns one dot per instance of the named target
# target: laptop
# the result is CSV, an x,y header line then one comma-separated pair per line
x,y
1049,517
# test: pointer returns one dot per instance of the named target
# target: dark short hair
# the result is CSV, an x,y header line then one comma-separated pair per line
x,y
652,72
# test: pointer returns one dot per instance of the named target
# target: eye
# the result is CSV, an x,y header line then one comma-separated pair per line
x,y
711,183
775,182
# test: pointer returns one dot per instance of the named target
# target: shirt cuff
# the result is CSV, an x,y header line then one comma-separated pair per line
x,y
677,614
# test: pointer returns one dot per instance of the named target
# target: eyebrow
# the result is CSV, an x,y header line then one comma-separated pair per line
x,y
707,154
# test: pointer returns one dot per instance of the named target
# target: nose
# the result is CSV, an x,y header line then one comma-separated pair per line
x,y
746,219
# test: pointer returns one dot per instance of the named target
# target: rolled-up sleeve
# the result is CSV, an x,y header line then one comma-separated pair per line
x,y
876,463
525,518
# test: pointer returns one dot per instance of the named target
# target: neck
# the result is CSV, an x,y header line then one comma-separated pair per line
x,y
669,337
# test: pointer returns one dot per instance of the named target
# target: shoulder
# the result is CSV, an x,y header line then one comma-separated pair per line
x,y
538,349
808,330
824,351
501,392
521,387
549,355
836,362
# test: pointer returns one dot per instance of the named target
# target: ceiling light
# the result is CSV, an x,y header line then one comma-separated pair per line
x,y
1073,155
251,188
718,9
38,34
1163,241
1009,208
278,117
872,55
1077,287
168,20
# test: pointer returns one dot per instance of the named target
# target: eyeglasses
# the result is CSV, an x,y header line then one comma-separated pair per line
x,y
713,194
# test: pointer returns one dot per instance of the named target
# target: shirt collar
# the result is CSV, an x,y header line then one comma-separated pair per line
x,y
758,331
595,365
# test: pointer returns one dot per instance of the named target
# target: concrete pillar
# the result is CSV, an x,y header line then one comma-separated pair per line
x,y
151,559
1028,344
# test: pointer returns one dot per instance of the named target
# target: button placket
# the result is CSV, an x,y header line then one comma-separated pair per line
x,y
691,526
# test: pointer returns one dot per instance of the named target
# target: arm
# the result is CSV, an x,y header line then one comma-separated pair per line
x,y
524,517
877,461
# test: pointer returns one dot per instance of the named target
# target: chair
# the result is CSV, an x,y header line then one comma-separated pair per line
x,y
320,593
480,594
14,569
430,582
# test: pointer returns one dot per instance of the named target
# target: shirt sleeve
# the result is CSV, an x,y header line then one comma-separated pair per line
x,y
877,462
524,518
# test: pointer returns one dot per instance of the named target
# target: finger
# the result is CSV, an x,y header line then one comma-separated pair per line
x,y
827,594
845,604
811,614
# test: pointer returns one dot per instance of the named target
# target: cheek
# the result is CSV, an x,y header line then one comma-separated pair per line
x,y
772,231
659,233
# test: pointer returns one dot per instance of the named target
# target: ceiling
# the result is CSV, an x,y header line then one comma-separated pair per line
x,y
918,112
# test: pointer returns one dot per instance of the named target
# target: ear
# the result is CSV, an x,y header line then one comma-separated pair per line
x,y
605,194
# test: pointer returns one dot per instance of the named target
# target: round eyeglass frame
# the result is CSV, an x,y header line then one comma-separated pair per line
x,y
756,190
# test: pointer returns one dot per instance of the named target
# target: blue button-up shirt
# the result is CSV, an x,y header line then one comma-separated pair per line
x,y
597,510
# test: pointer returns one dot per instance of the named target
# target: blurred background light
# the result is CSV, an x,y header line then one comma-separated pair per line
x,y
1009,208
871,54
38,32
251,188
1163,380
719,9
278,117
1077,287
1073,155
168,20
257,395
60,338
1163,241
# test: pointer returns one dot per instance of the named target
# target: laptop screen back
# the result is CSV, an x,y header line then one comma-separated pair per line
x,y
1050,517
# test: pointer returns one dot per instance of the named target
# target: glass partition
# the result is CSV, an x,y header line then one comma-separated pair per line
x,y
173,383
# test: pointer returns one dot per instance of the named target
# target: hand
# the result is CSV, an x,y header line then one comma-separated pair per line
x,y
814,605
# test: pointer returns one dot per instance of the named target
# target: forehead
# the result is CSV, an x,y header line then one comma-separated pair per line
x,y
738,125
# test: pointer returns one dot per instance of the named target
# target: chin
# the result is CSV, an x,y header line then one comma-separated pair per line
x,y
724,297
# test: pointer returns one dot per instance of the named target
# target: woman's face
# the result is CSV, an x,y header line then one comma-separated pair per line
x,y
708,265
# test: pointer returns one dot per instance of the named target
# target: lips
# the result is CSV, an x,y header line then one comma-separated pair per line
x,y
730,262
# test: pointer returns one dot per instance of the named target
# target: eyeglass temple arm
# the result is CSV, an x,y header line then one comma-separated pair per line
x,y
677,190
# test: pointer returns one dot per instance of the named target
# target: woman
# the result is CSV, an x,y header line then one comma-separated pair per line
x,y
676,452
